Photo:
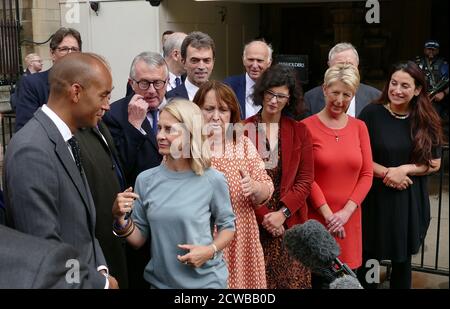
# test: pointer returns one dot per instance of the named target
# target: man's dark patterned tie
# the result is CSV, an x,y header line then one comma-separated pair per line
x,y
76,152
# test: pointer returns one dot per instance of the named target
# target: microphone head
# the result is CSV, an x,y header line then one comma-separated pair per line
x,y
346,282
312,245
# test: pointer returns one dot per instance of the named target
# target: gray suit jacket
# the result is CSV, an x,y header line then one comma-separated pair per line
x,y
45,193
28,262
315,102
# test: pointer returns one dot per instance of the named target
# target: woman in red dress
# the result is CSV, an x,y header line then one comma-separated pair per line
x,y
342,165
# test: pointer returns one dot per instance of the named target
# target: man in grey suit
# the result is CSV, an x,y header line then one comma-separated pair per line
x,y
341,53
46,191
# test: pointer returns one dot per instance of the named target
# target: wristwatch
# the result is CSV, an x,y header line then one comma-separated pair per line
x,y
286,212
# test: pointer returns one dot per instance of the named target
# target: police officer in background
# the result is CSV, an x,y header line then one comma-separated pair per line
x,y
435,69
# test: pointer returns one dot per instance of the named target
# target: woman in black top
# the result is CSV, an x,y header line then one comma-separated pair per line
x,y
405,135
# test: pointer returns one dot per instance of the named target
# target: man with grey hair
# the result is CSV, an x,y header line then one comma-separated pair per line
x,y
132,122
198,53
341,53
172,55
256,58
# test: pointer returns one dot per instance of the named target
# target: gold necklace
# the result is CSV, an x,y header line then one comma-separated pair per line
x,y
336,136
398,116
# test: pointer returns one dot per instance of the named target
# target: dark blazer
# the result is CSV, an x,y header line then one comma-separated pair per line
x,y
137,152
237,83
297,169
178,92
46,195
31,94
99,163
28,262
315,102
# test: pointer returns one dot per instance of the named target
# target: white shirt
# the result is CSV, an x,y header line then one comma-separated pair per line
x,y
150,116
63,128
352,108
250,108
171,83
191,89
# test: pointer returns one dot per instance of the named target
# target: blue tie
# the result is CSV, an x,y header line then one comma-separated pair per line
x,y
155,121
177,82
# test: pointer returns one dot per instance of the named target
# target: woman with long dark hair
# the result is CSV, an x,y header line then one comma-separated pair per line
x,y
405,135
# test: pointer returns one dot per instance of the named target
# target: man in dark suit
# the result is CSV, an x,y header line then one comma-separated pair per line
x,y
34,65
32,92
46,191
198,53
105,178
28,262
132,122
341,53
172,55
257,57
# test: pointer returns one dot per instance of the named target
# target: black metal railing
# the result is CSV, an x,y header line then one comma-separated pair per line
x,y
7,123
10,60
437,268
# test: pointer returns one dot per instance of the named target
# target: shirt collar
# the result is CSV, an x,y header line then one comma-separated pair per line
x,y
191,89
172,80
63,128
249,83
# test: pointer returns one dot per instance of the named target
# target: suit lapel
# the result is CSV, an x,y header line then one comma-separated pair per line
x,y
183,92
150,135
241,95
287,147
66,160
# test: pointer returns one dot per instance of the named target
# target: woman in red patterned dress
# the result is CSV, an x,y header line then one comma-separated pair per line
x,y
234,155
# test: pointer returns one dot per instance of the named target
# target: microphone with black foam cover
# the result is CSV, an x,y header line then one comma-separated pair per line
x,y
312,245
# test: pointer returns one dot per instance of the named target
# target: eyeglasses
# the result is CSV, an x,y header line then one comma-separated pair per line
x,y
145,84
280,97
66,50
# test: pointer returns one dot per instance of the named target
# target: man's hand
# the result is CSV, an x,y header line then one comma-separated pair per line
x,y
137,111
113,284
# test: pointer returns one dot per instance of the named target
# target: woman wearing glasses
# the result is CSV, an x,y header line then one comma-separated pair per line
x,y
342,166
285,146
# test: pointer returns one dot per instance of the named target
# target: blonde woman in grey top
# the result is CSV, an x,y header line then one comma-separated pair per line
x,y
179,203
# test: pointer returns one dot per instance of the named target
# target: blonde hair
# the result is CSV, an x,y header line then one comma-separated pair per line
x,y
345,73
190,115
